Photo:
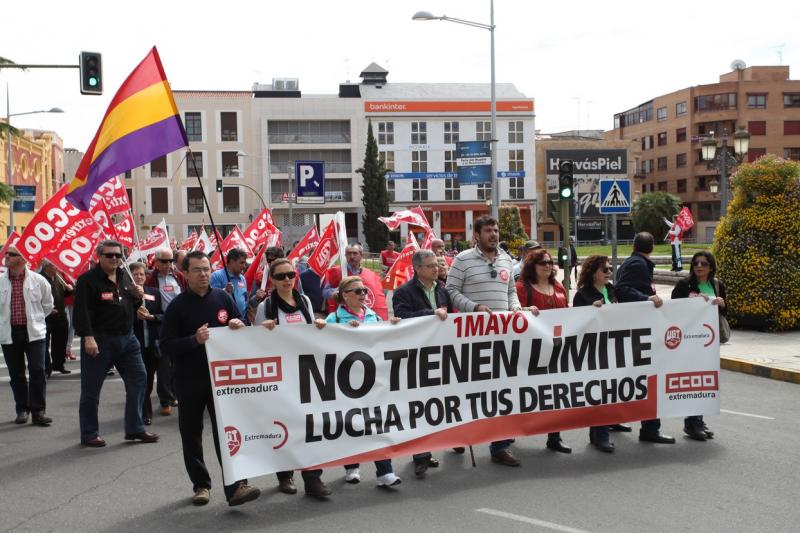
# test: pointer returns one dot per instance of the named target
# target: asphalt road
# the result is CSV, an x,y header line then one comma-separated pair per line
x,y
746,479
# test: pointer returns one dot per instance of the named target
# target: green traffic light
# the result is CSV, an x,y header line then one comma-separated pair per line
x,y
566,193
93,82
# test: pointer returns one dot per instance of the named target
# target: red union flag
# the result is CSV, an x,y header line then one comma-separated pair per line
x,y
260,225
124,229
115,196
157,238
412,216
309,242
99,212
685,219
73,255
188,243
203,242
235,239
401,270
325,253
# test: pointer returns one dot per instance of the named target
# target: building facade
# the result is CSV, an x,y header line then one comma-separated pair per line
x,y
251,139
671,127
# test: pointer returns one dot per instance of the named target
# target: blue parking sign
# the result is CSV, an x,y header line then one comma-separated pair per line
x,y
309,182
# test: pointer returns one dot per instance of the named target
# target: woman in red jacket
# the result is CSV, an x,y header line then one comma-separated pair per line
x,y
537,286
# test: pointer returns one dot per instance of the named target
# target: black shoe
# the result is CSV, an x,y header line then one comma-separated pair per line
x,y
695,433
22,417
658,438
40,420
604,446
433,463
144,436
317,489
709,433
94,442
459,449
63,371
287,486
420,467
624,428
557,445
147,421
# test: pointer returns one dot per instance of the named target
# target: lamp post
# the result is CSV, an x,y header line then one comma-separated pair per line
x,y
426,15
723,160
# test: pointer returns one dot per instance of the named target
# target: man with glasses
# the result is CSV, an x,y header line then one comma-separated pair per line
x,y
169,282
105,306
184,332
25,301
481,280
423,296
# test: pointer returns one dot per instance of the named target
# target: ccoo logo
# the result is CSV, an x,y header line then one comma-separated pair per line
x,y
673,337
234,439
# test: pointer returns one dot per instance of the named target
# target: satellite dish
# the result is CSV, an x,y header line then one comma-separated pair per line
x,y
738,64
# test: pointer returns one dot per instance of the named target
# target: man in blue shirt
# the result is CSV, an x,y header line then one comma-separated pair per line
x,y
233,282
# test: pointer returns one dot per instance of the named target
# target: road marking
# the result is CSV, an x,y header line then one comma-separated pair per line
x,y
745,414
532,521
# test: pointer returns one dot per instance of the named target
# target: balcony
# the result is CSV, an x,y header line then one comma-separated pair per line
x,y
309,138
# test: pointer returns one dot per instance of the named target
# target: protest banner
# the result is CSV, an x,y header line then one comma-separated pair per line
x,y
298,397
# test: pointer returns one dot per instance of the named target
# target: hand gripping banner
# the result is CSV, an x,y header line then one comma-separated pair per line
x,y
298,397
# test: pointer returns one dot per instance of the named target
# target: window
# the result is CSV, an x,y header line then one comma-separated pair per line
x,y
681,186
516,188
385,132
158,167
791,127
419,133
198,163
130,196
755,153
230,165
194,126
419,161
662,163
484,191
647,166
336,161
708,211
757,127
227,125
309,131
791,99
637,115
483,130
450,161
452,191
680,160
647,142
128,174
715,102
388,160
661,114
159,200
788,153
194,200
662,138
230,199
515,131
419,190
680,108
680,135
516,163
756,101
390,189
662,186
450,132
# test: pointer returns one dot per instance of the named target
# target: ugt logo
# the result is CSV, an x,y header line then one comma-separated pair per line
x,y
234,439
672,338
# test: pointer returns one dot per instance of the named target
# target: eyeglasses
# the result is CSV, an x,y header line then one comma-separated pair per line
x,y
112,256
700,263
284,275
199,270
166,260
606,270
12,254
361,291
546,263
493,272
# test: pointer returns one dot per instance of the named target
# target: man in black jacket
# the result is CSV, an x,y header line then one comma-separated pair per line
x,y
422,295
635,284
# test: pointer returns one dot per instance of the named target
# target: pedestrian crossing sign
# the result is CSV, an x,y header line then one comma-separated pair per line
x,y
615,196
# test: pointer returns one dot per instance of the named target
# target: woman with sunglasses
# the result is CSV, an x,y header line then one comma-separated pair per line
x,y
286,306
538,289
352,310
595,288
703,283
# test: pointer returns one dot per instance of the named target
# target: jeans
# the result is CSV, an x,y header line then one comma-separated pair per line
x,y
499,446
122,352
382,467
26,398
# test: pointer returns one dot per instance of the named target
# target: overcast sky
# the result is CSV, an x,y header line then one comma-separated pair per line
x,y
582,61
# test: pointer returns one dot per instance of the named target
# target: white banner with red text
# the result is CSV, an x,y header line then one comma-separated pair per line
x,y
297,397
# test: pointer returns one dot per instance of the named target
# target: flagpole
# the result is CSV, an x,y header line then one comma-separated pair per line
x,y
210,216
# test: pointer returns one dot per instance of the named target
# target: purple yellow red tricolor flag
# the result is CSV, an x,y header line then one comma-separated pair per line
x,y
141,124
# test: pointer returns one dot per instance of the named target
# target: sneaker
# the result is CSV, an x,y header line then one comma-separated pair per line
x,y
201,496
352,475
244,493
389,480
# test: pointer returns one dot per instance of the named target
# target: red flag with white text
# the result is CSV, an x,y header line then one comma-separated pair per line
x,y
306,245
326,251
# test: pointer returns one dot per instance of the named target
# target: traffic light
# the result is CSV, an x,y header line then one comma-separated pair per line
x,y
91,73
566,182
219,185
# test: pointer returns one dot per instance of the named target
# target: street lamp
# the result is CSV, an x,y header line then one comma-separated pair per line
x,y
426,15
708,150
9,162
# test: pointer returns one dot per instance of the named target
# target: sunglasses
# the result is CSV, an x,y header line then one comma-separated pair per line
x,y
12,254
284,275
546,263
700,263
361,291
112,256
493,272
606,270
166,260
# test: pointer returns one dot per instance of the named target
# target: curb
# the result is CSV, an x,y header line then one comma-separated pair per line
x,y
764,371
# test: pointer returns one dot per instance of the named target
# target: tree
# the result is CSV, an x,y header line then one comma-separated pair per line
x,y
375,197
757,245
650,210
511,229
